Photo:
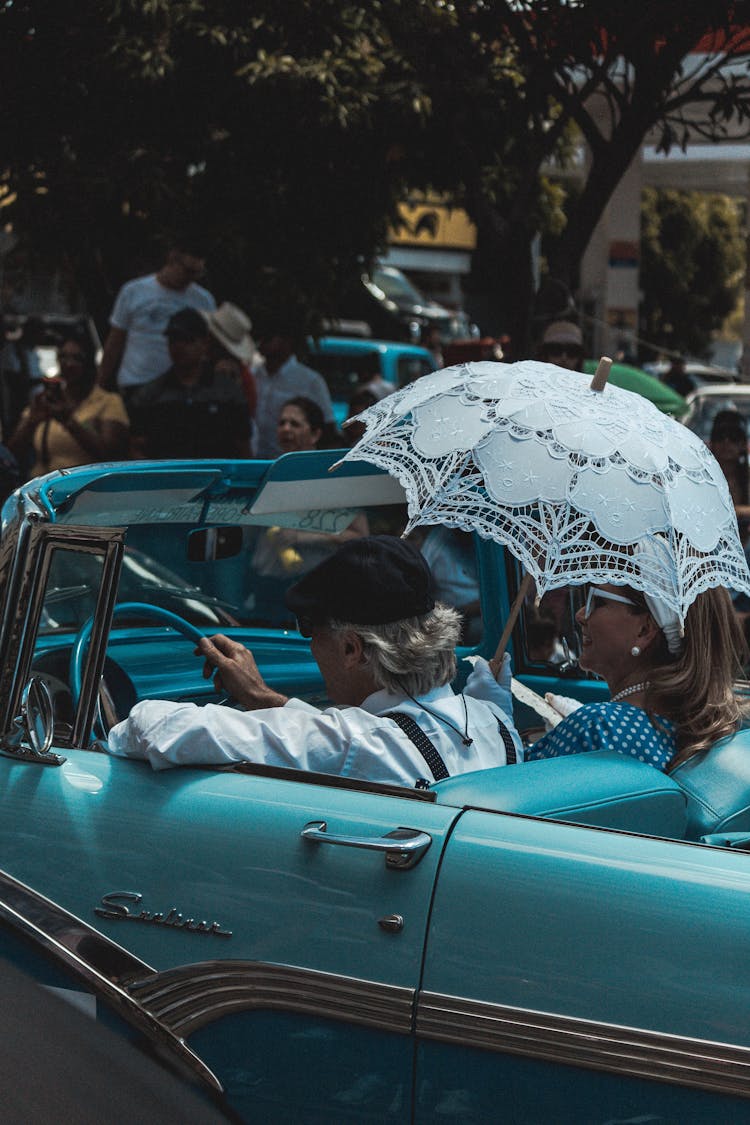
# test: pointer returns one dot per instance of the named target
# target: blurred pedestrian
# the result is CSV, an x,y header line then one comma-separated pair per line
x,y
135,350
71,421
728,443
432,340
360,400
677,377
300,425
280,377
191,410
232,349
562,344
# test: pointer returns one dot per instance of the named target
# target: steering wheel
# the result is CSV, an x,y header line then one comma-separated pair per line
x,y
125,609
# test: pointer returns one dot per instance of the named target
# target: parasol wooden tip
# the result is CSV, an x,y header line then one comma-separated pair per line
x,y
599,382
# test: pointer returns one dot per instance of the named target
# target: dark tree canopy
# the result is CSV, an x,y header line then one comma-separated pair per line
x,y
692,267
288,130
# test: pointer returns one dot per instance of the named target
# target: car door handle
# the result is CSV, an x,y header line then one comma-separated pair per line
x,y
404,847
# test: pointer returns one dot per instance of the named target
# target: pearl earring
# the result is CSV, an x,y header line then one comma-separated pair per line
x,y
635,651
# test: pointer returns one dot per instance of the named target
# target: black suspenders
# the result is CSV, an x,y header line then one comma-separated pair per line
x,y
429,751
424,745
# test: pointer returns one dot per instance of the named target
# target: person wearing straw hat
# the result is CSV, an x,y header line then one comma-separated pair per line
x,y
386,652
233,351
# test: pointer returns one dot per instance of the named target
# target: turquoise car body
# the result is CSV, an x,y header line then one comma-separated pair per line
x,y
338,359
559,946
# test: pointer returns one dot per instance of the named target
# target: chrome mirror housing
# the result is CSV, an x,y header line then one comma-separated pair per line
x,y
33,730
37,715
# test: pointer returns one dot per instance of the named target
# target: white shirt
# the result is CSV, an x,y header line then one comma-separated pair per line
x,y
348,741
142,309
292,379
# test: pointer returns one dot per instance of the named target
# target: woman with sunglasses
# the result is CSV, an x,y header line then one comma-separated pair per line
x,y
71,421
671,689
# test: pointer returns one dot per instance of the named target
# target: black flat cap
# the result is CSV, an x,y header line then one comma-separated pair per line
x,y
368,581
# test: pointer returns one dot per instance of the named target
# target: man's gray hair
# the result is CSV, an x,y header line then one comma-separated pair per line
x,y
414,655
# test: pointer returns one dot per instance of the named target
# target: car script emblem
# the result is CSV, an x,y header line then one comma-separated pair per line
x,y
120,906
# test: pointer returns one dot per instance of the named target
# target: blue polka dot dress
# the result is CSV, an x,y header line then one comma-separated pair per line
x,y
609,726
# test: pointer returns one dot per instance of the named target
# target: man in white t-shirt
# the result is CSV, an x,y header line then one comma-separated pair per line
x,y
135,351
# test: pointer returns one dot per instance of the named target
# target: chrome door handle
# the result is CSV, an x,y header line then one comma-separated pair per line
x,y
403,847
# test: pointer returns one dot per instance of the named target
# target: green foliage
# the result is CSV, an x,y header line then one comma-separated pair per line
x,y
288,130
692,267
278,133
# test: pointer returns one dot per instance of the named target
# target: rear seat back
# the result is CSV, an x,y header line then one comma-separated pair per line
x,y
604,789
716,783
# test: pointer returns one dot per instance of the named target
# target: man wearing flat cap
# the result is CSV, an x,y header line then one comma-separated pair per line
x,y
191,410
386,652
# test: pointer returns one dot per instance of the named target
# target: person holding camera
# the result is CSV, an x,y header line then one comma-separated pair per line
x,y
71,421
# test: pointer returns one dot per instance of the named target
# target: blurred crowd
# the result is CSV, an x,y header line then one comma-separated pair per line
x,y
178,377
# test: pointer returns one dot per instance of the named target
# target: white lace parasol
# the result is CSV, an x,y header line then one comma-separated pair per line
x,y
581,485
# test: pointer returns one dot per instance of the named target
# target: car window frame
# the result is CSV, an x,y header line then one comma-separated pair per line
x,y
24,600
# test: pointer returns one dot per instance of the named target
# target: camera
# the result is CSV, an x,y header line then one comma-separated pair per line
x,y
53,388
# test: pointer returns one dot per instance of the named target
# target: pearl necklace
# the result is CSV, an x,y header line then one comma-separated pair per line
x,y
633,690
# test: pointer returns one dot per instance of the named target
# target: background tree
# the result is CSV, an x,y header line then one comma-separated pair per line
x,y
288,130
279,132
692,267
615,72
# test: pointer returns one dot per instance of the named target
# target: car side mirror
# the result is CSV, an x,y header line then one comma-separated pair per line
x,y
33,730
37,715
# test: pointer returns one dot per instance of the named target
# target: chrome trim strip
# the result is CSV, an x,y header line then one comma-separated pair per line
x,y
172,1004
97,650
36,914
635,1053
97,963
192,996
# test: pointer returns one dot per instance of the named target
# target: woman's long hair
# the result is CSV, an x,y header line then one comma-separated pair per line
x,y
694,689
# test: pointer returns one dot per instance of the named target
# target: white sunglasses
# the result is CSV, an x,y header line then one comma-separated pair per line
x,y
594,592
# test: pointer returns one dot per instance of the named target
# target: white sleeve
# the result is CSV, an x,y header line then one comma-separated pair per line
x,y
121,310
182,734
323,396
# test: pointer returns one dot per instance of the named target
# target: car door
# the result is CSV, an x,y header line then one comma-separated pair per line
x,y
584,976
270,916
290,964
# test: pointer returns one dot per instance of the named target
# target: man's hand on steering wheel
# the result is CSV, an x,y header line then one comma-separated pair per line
x,y
234,671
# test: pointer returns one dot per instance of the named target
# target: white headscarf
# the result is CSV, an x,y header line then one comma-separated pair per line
x,y
653,561
668,621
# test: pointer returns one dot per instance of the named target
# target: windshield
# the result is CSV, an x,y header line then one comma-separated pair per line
x,y
706,407
248,581
74,581
220,543
397,286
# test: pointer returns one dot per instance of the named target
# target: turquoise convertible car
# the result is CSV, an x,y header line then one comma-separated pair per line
x,y
560,941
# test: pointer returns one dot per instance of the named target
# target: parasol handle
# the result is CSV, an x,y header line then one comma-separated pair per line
x,y
515,609
599,382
